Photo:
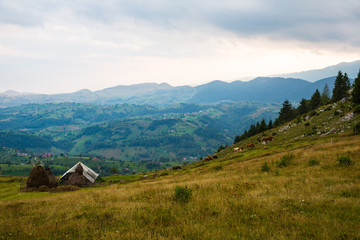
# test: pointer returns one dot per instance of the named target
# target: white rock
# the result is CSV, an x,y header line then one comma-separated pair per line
x,y
348,117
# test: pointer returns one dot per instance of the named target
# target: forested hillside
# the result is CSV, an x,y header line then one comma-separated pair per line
x,y
128,132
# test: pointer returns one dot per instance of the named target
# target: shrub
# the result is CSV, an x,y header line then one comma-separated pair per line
x,y
357,109
219,167
357,128
336,113
100,179
265,167
313,162
312,113
182,194
344,161
285,160
307,124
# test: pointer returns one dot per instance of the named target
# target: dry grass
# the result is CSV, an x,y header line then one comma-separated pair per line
x,y
237,201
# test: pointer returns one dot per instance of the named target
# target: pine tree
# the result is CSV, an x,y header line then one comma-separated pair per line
x,y
315,100
356,90
337,87
341,86
303,107
286,113
257,128
263,126
252,131
270,124
325,95
347,85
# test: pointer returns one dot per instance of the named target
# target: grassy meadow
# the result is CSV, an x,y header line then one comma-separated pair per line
x,y
313,196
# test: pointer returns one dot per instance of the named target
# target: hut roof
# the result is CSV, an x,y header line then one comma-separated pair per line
x,y
87,172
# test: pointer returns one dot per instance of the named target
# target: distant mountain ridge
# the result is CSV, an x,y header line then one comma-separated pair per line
x,y
351,68
263,89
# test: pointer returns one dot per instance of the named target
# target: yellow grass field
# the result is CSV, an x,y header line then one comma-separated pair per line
x,y
232,198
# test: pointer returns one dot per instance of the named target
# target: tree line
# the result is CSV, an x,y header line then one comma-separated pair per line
x,y
288,112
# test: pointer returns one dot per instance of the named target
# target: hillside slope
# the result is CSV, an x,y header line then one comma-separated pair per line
x,y
305,193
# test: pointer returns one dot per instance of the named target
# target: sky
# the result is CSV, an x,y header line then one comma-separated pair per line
x,y
52,46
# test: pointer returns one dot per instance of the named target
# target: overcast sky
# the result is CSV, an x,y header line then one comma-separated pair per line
x,y
52,46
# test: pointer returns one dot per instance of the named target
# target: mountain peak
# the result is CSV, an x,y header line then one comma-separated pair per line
x,y
10,93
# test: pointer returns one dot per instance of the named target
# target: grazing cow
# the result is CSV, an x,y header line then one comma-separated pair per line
x,y
267,139
208,158
241,149
236,149
215,157
250,145
176,167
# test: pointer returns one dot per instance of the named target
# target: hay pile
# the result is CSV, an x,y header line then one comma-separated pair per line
x,y
77,178
53,182
41,177
37,177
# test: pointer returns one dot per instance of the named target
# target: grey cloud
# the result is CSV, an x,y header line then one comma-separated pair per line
x,y
306,20
303,20
11,13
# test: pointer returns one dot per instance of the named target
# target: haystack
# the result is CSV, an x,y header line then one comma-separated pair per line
x,y
37,177
77,178
53,182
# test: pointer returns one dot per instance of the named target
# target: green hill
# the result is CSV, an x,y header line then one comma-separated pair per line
x,y
128,132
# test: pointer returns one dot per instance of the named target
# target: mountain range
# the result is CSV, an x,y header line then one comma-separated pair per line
x,y
263,89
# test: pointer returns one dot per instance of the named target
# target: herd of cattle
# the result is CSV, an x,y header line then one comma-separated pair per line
x,y
237,149
251,145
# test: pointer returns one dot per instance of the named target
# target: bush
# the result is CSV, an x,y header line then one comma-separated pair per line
x,y
219,167
312,113
265,167
182,194
357,109
100,179
313,162
307,124
344,161
285,160
357,128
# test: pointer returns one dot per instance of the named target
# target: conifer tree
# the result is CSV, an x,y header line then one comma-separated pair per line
x,y
336,95
315,100
257,128
303,107
341,86
270,124
356,90
263,126
347,85
325,95
286,113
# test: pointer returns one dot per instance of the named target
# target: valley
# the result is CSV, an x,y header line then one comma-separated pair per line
x,y
153,136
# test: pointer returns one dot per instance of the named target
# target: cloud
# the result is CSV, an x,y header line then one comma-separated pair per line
x,y
77,42
306,20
